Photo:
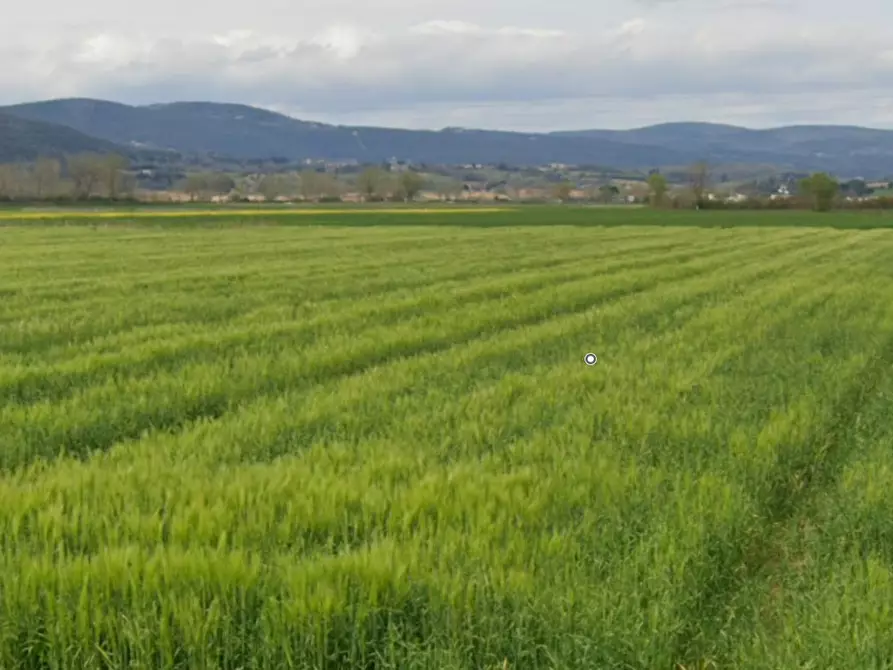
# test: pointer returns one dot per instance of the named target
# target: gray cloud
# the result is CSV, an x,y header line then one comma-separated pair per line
x,y
722,63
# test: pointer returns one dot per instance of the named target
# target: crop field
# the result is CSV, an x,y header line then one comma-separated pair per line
x,y
378,446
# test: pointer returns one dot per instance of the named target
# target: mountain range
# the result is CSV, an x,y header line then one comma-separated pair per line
x,y
241,132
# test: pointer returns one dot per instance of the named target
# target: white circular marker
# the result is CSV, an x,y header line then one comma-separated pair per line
x,y
590,359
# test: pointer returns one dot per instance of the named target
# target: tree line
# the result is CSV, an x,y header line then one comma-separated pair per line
x,y
77,177
819,191
110,176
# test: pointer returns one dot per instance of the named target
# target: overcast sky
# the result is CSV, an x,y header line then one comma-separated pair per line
x,y
511,64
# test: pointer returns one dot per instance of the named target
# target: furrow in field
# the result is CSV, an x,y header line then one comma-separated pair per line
x,y
823,585
796,454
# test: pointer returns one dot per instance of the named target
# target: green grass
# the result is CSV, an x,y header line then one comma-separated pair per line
x,y
334,444
466,215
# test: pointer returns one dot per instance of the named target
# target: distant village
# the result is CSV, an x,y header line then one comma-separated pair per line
x,y
95,176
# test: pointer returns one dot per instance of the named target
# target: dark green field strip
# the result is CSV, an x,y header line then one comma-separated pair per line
x,y
165,402
52,381
528,216
355,422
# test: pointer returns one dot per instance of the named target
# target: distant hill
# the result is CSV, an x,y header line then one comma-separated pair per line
x,y
24,140
847,150
244,132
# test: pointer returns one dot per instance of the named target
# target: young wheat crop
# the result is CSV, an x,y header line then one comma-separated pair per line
x,y
378,447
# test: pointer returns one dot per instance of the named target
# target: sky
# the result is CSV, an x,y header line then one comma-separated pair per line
x,y
524,65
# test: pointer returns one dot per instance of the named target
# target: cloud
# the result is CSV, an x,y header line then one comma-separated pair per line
x,y
449,65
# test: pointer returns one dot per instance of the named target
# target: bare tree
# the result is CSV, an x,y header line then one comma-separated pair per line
x,y
449,188
272,186
112,168
310,185
371,183
700,176
563,190
7,182
411,184
14,181
279,185
86,171
206,184
194,185
127,185
329,186
46,177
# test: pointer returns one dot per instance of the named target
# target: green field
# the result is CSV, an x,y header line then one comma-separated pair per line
x,y
342,443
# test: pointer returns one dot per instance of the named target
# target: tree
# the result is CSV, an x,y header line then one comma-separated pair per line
x,y
86,171
126,185
411,184
857,187
657,184
13,183
194,185
821,189
46,177
607,192
111,169
562,191
449,188
699,180
220,183
371,182
310,185
329,186
272,186
207,184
